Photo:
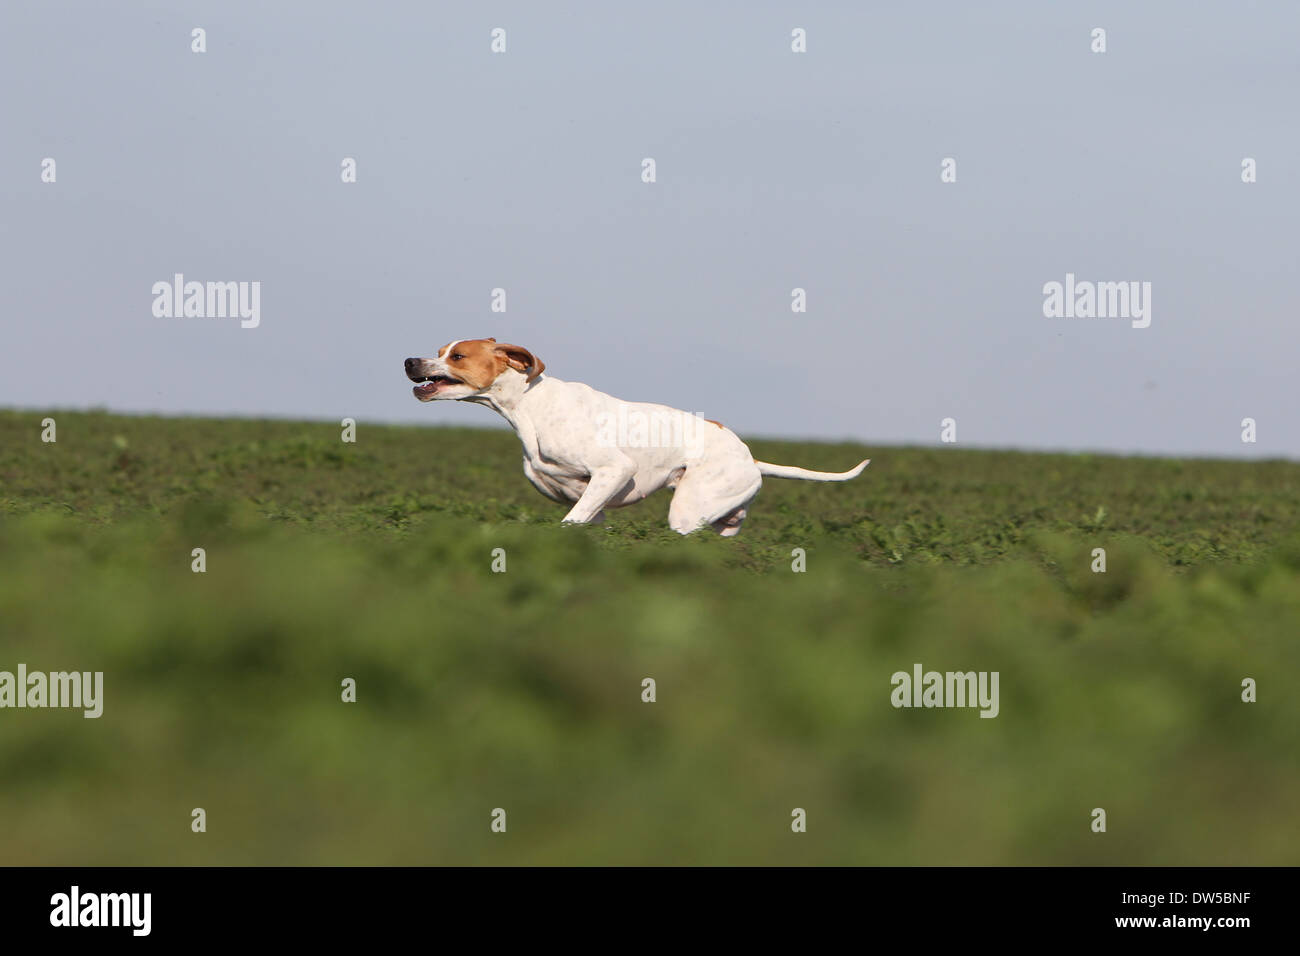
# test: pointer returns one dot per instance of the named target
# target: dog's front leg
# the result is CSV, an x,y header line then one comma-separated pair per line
x,y
605,483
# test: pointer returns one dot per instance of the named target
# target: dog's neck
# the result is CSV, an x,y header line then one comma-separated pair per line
x,y
506,397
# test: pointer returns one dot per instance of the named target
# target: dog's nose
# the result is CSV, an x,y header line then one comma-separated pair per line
x,y
411,363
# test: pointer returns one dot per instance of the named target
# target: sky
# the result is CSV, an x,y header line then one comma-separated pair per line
x,y
522,170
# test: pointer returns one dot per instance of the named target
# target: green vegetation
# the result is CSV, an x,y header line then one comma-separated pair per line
x,y
522,690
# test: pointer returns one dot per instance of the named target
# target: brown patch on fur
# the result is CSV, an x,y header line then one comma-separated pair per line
x,y
482,360
712,422
476,365
443,349
521,360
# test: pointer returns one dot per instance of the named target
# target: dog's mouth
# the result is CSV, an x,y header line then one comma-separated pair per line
x,y
429,385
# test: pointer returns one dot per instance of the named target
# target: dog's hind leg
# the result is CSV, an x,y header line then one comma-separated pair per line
x,y
714,497
729,524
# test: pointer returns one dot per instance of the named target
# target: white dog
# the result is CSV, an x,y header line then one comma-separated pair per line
x,y
584,446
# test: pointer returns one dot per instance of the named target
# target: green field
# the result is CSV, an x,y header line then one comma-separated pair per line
x,y
522,690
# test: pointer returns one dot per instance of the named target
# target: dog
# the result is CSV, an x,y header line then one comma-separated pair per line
x,y
590,449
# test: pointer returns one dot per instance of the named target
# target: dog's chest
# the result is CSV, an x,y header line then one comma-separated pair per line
x,y
554,479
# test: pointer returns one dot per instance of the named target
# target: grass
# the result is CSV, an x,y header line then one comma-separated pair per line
x,y
522,690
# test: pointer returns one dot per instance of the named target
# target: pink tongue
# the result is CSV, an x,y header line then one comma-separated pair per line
x,y
427,387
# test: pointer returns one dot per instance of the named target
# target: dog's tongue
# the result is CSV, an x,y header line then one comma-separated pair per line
x,y
425,388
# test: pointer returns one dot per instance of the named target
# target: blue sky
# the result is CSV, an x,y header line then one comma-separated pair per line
x,y
775,170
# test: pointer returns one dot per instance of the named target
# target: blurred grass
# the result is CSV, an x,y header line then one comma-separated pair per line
x,y
522,690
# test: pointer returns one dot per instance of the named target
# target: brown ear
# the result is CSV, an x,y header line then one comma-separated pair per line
x,y
522,360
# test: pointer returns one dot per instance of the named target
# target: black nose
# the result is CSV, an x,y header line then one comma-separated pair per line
x,y
411,363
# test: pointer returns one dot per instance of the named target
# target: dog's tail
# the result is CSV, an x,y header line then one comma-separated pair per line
x,y
790,471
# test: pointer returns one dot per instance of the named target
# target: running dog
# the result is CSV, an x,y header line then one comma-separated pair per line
x,y
591,449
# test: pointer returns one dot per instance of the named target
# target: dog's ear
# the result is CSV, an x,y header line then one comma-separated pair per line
x,y
491,340
521,360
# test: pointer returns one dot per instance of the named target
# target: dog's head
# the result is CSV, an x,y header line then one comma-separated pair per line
x,y
467,368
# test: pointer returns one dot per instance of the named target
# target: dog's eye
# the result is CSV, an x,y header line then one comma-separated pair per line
x,y
456,357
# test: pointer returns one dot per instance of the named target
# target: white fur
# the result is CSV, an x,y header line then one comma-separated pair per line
x,y
565,429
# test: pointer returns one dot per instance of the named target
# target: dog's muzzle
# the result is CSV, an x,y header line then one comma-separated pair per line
x,y
430,382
